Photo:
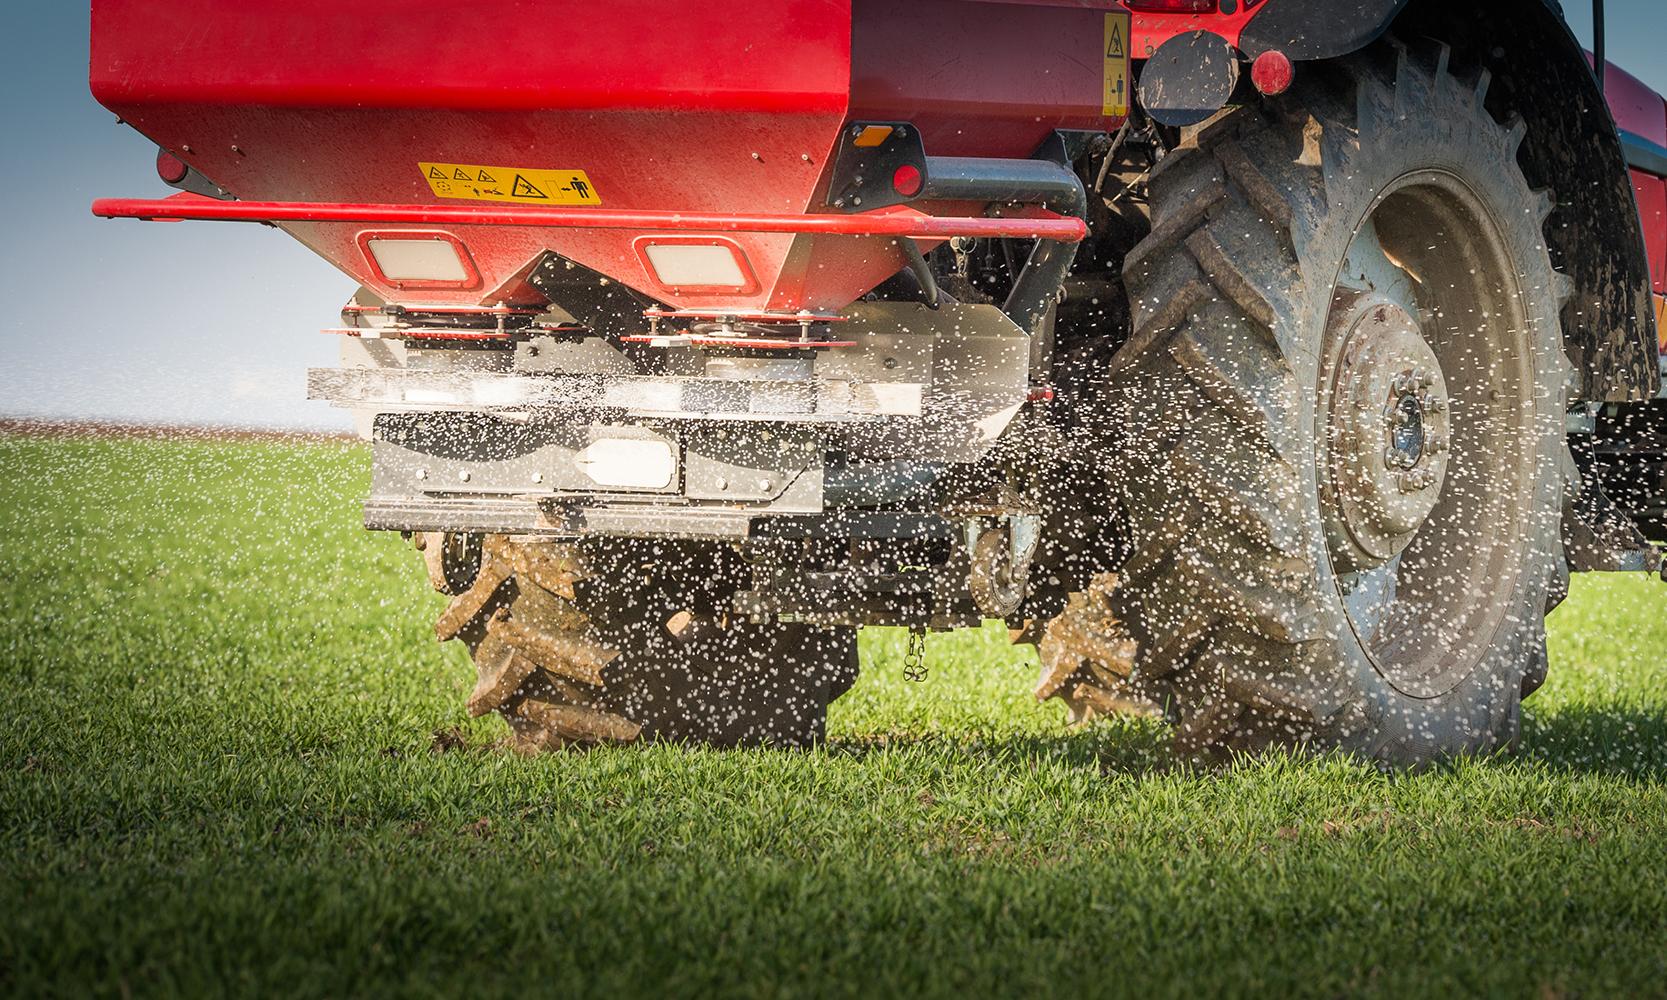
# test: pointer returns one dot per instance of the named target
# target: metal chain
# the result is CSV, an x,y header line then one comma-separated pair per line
x,y
914,657
962,247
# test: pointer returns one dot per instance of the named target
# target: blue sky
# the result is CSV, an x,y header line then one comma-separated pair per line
x,y
212,323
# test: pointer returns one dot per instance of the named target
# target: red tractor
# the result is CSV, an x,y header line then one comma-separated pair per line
x,y
1270,363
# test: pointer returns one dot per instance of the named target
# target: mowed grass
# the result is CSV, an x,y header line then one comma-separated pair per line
x,y
218,774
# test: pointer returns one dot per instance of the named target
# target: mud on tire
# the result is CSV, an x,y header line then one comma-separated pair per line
x,y
1088,660
1263,605
577,648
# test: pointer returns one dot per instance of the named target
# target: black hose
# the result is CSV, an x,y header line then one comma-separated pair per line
x,y
921,270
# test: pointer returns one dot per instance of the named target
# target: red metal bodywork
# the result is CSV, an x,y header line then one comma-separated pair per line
x,y
1152,28
1641,111
725,111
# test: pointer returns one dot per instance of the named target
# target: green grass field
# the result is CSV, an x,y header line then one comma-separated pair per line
x,y
218,774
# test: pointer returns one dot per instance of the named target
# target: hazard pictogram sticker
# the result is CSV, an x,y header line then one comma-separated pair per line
x,y
523,188
1114,95
528,185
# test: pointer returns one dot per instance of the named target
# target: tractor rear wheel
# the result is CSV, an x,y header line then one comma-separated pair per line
x,y
1343,412
574,647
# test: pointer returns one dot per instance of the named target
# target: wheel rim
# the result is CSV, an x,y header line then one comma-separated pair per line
x,y
1424,427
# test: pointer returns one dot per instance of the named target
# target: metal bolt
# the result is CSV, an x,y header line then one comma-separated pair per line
x,y
856,181
422,473
1425,378
538,477
1389,458
757,157
463,475
856,200
805,157
1434,404
764,484
722,484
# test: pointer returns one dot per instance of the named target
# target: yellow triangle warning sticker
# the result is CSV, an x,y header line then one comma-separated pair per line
x,y
523,188
529,185
1114,90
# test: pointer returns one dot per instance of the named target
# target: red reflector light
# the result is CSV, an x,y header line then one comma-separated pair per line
x,y
1272,72
1171,6
906,180
170,168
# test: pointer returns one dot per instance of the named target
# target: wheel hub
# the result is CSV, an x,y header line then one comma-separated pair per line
x,y
1389,432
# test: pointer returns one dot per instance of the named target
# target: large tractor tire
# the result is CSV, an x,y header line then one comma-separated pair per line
x,y
1342,413
575,648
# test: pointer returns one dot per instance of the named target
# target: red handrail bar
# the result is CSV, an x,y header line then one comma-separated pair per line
x,y
884,222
